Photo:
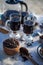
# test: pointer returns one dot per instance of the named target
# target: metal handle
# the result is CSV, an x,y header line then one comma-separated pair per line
x,y
23,3
7,23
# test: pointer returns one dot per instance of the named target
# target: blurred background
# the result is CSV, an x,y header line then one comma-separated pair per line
x,y
35,6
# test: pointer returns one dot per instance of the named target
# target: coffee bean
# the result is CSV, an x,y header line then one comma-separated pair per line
x,y
10,43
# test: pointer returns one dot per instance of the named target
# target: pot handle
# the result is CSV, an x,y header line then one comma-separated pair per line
x,y
23,3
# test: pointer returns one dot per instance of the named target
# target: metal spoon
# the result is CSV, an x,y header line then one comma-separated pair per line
x,y
24,53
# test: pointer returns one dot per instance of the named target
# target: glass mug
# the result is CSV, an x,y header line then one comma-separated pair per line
x,y
14,22
28,25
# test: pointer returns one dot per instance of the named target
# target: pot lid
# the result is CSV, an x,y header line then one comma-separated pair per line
x,y
12,1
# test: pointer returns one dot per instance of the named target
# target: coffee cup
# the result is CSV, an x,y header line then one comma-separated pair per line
x,y
14,22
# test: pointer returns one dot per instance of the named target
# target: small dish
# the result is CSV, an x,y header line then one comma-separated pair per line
x,y
40,51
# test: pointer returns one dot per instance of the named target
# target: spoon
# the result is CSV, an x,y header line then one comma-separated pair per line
x,y
24,53
3,30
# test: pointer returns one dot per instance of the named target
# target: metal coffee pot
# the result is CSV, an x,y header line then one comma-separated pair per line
x,y
13,6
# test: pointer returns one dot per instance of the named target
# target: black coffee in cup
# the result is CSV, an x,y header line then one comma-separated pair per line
x,y
28,27
15,21
15,24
